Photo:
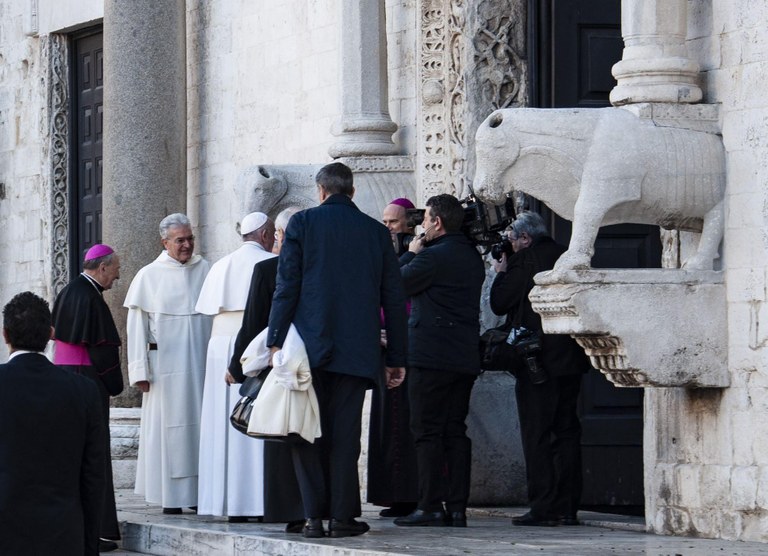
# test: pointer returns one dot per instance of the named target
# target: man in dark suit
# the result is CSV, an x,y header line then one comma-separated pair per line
x,y
443,274
337,270
52,443
549,423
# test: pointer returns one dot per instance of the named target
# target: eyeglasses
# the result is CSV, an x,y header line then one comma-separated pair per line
x,y
183,240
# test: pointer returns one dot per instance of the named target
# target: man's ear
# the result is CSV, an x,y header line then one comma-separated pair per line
x,y
353,193
5,336
53,330
321,192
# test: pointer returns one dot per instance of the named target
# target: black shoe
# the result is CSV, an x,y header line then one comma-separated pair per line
x,y
529,519
295,526
420,518
397,510
106,545
569,520
313,528
338,528
237,519
456,519
171,511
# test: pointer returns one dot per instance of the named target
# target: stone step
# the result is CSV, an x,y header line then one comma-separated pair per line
x,y
146,530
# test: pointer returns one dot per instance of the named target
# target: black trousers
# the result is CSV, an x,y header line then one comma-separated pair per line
x,y
551,435
327,470
439,408
109,526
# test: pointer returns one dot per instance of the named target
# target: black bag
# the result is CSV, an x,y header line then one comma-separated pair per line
x,y
495,353
249,390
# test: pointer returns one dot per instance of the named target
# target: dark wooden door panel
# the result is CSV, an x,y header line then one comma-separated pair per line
x,y
88,95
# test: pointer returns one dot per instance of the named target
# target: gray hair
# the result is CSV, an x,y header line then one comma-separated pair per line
x,y
173,220
530,223
94,263
281,222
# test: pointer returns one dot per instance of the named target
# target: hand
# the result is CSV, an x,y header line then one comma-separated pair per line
x,y
383,339
228,378
417,244
395,376
143,385
500,266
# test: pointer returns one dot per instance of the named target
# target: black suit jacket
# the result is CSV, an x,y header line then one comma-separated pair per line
x,y
444,282
52,459
256,314
560,354
337,270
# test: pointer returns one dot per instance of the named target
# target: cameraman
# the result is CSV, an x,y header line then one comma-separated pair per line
x,y
549,423
443,274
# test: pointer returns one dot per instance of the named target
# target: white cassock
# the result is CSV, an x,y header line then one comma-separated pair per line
x,y
231,480
161,311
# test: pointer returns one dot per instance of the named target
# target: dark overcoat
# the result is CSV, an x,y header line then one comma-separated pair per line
x,y
444,281
337,270
52,459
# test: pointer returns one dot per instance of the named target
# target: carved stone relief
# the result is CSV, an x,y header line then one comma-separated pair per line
x,y
56,49
472,62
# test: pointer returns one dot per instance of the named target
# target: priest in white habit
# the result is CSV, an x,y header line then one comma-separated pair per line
x,y
167,341
231,480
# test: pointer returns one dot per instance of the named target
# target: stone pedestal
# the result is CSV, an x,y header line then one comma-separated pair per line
x,y
124,431
630,323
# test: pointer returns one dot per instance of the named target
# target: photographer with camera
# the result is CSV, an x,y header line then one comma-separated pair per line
x,y
547,388
443,275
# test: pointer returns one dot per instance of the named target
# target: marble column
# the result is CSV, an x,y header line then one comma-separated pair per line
x,y
655,66
364,127
145,133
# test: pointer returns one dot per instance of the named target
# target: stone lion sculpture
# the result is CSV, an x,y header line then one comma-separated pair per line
x,y
271,188
606,166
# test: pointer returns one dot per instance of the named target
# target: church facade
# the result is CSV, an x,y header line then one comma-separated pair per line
x,y
114,114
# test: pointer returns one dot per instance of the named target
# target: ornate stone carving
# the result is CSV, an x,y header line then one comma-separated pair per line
x,y
59,156
433,144
606,311
271,188
607,166
472,63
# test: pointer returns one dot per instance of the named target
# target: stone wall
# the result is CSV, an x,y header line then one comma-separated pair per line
x,y
707,450
263,88
24,212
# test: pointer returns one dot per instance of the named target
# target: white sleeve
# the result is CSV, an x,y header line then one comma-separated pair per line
x,y
138,337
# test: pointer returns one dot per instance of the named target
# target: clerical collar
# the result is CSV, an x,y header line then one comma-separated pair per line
x,y
94,283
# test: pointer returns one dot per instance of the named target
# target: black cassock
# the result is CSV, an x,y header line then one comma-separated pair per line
x,y
282,499
82,317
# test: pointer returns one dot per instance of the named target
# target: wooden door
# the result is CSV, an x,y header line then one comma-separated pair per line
x,y
87,133
574,44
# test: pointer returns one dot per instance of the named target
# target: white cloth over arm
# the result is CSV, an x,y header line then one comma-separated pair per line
x,y
287,403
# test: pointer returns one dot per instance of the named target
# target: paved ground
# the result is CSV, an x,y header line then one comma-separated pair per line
x,y
489,533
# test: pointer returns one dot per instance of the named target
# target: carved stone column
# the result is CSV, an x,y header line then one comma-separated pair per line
x,y
145,131
655,66
365,127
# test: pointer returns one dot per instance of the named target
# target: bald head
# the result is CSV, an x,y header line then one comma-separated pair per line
x,y
395,219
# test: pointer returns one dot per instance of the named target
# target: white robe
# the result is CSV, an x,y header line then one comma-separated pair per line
x,y
161,310
231,479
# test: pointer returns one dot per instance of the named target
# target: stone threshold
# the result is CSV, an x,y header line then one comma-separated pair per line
x,y
146,530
